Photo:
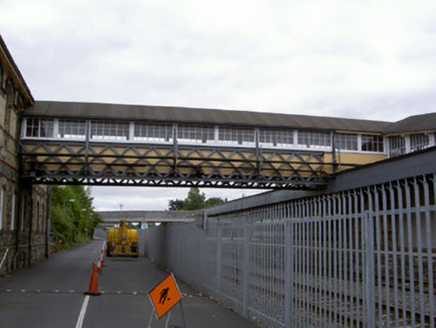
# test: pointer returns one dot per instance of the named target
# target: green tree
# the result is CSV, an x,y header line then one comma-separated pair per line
x,y
214,201
196,200
175,205
72,215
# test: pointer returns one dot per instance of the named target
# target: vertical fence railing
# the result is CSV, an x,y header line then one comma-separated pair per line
x,y
361,258
369,283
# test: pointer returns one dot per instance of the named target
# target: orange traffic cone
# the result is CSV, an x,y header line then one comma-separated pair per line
x,y
93,284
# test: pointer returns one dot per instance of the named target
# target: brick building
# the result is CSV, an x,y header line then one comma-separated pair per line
x,y
23,235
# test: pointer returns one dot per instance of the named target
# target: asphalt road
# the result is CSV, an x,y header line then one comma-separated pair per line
x,y
51,294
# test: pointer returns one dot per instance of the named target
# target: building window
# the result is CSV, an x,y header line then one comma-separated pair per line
x,y
236,135
419,141
195,133
115,131
32,127
276,137
154,132
397,146
312,139
372,143
39,128
72,129
346,141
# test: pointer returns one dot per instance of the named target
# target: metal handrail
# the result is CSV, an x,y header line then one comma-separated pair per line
x,y
4,258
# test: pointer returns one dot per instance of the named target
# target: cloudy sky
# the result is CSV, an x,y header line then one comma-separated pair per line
x,y
343,58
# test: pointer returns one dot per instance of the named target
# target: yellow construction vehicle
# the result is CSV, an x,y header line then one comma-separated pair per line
x,y
122,241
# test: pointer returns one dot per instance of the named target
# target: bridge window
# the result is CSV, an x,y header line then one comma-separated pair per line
x,y
419,141
155,132
312,139
72,129
276,137
372,143
235,135
346,141
195,133
32,127
116,131
39,128
397,146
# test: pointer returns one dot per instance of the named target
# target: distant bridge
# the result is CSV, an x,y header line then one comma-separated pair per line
x,y
114,217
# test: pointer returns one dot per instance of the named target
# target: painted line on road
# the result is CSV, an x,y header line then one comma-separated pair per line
x,y
70,291
82,312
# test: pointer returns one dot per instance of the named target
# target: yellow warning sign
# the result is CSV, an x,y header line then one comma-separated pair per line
x,y
165,295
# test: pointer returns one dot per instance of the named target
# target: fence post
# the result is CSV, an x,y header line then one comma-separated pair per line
x,y
219,260
289,263
245,272
369,270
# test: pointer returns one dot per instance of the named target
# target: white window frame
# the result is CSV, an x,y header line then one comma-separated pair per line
x,y
39,126
276,138
347,139
311,134
195,134
165,136
236,136
72,135
109,131
372,151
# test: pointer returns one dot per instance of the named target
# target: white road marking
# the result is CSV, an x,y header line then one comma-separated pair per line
x,y
82,312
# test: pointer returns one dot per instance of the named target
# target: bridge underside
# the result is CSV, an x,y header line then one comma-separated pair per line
x,y
172,165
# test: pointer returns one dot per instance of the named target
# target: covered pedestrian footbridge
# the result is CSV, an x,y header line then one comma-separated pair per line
x,y
106,144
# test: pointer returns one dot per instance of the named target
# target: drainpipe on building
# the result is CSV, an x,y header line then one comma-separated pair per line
x,y
48,223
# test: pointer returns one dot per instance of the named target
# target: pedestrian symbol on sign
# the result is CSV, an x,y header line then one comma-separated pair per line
x,y
164,296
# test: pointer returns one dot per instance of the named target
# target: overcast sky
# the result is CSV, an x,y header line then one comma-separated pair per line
x,y
342,58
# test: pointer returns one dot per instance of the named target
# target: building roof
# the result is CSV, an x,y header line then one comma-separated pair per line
x,y
15,71
416,123
200,115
